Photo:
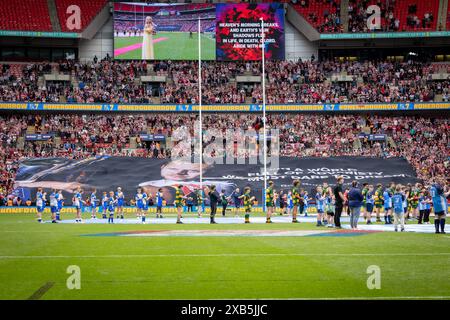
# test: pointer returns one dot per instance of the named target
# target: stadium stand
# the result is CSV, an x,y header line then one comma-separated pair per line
x,y
89,8
288,82
19,15
421,140
400,15
323,15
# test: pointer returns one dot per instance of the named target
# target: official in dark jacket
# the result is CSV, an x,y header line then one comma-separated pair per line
x,y
355,202
214,199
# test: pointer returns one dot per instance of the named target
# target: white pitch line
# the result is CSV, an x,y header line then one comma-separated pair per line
x,y
116,256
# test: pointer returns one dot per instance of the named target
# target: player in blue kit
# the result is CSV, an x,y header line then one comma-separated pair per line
x,y
120,202
397,205
144,207
53,204
111,206
105,200
77,202
387,196
235,196
306,202
93,201
40,204
290,203
159,203
320,203
370,203
60,199
200,203
139,203
439,207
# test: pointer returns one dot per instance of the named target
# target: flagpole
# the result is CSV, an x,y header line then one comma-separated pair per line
x,y
200,104
264,111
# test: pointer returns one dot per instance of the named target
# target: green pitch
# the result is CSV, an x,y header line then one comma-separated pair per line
x,y
34,256
172,45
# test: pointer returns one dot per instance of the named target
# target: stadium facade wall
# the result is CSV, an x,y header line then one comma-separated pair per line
x,y
297,45
100,45
404,107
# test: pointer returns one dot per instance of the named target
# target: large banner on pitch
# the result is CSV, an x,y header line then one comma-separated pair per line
x,y
108,173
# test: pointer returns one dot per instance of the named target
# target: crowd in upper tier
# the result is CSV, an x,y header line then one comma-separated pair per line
x,y
394,15
302,81
423,141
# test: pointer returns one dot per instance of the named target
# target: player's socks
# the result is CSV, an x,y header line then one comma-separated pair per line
x,y
121,216
442,223
58,217
39,220
385,219
436,225
247,218
143,218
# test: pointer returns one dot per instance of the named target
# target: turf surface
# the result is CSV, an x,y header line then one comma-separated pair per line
x,y
34,256
177,46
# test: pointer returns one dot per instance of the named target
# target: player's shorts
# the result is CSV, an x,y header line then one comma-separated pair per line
x,y
237,205
369,207
53,209
140,205
399,213
145,208
105,208
440,213
93,208
379,205
178,205
120,202
414,206
387,208
319,210
40,209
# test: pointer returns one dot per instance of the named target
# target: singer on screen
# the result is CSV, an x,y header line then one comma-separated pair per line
x,y
147,41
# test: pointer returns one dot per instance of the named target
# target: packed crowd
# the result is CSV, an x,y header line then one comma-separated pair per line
x,y
390,21
423,141
299,81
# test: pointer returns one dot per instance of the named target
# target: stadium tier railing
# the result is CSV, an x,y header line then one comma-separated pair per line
x,y
104,107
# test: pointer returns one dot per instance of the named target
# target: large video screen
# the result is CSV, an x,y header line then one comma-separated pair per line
x,y
238,31
170,31
163,31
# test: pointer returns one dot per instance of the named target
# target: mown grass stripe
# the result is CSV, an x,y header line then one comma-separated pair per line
x,y
115,256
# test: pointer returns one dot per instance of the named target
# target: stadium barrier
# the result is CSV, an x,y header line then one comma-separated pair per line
x,y
41,106
131,209
127,209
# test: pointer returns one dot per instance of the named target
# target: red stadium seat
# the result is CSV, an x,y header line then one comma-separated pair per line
x,y
24,15
89,9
